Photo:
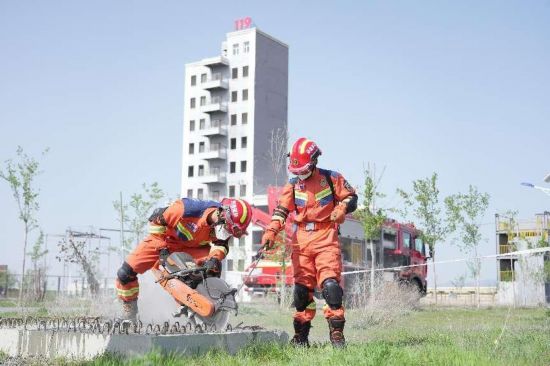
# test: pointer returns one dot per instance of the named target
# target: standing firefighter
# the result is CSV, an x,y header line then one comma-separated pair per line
x,y
321,199
199,228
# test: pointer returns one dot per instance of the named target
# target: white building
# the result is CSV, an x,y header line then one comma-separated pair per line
x,y
233,102
523,280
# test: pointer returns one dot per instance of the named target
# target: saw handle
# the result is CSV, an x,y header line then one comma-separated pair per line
x,y
181,273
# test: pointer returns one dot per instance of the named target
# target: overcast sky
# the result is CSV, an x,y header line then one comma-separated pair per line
x,y
461,88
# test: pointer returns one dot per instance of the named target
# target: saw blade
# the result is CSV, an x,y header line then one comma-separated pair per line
x,y
217,291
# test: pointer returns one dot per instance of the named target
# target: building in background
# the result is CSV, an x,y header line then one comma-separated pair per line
x,y
523,280
234,102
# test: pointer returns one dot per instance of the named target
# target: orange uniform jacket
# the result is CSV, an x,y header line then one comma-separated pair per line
x,y
312,199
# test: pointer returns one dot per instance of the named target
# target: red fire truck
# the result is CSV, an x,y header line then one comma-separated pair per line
x,y
399,245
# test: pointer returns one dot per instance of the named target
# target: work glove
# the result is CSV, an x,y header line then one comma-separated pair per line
x,y
338,215
270,233
213,265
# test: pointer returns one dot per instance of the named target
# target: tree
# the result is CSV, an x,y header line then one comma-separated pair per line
x,y
465,212
20,175
277,152
38,273
73,251
371,217
424,202
136,213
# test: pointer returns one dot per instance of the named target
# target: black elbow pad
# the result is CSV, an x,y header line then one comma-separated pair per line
x,y
352,204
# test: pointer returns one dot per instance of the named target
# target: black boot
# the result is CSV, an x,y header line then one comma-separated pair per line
x,y
301,333
336,329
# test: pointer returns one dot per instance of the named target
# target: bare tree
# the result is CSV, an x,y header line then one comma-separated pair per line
x,y
277,152
20,175
72,251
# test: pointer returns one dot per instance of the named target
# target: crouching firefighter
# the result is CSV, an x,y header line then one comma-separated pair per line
x,y
199,228
321,199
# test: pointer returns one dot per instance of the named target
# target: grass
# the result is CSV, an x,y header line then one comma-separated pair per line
x,y
424,336
428,336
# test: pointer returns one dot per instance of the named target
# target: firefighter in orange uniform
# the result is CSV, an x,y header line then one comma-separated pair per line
x,y
321,199
199,228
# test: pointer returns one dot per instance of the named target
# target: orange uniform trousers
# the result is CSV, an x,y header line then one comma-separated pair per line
x,y
316,256
146,254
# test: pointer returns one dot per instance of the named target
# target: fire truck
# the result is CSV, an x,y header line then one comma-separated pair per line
x,y
399,255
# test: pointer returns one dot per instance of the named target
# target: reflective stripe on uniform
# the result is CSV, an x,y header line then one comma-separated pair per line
x,y
312,306
245,212
218,247
184,232
324,193
157,229
302,196
128,293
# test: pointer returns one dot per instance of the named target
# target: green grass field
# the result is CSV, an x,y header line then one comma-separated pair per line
x,y
425,336
386,336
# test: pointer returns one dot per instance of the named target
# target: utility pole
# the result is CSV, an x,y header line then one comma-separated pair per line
x,y
122,249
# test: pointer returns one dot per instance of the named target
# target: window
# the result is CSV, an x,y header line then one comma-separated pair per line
x,y
189,193
200,193
406,240
233,119
235,49
243,166
234,73
202,124
234,96
192,103
190,171
245,94
232,167
201,147
388,240
244,118
243,142
200,173
419,246
233,143
193,80
241,241
203,101
245,71
230,264
246,47
231,191
240,266
203,78
215,195
191,149
192,125
243,190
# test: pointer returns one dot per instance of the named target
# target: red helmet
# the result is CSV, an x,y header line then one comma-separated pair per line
x,y
303,156
237,215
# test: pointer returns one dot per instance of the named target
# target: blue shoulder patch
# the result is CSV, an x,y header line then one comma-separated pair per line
x,y
195,208
327,172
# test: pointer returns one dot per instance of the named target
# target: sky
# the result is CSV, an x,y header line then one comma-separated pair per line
x,y
457,88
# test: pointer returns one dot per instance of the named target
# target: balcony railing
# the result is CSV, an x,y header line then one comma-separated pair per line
x,y
215,105
216,81
216,151
506,248
214,175
216,127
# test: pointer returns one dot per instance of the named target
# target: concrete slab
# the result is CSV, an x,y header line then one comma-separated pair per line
x,y
85,346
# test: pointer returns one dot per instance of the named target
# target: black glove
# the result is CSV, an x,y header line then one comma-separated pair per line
x,y
213,265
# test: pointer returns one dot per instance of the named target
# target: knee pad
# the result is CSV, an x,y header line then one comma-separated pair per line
x,y
126,274
332,292
301,297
